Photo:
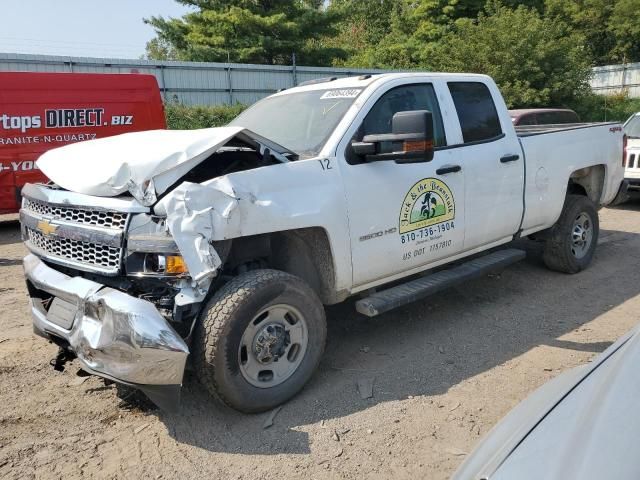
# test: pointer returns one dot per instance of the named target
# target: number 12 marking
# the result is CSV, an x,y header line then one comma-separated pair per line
x,y
325,163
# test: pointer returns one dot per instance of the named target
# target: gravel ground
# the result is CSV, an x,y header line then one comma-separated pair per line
x,y
444,371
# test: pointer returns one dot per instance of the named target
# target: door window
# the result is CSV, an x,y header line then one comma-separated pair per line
x,y
403,99
476,111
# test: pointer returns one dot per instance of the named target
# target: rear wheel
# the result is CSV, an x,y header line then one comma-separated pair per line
x,y
259,340
572,241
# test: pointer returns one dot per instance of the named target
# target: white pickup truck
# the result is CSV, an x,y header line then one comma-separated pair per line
x,y
632,166
225,243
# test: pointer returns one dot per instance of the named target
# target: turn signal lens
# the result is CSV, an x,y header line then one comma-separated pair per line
x,y
417,145
175,265
164,264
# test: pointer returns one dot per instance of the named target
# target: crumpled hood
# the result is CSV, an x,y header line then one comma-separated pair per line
x,y
144,164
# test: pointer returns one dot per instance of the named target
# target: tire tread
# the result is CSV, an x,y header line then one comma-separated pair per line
x,y
556,256
219,312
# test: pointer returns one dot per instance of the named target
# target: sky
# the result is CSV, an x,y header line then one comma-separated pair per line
x,y
84,28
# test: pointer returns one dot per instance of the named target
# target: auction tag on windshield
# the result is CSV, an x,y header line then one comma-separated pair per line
x,y
346,93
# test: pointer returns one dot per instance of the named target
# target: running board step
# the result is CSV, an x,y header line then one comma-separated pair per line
x,y
420,288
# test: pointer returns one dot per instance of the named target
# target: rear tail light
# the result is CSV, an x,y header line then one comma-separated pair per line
x,y
624,150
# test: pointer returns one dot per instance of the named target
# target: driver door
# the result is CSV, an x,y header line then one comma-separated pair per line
x,y
402,217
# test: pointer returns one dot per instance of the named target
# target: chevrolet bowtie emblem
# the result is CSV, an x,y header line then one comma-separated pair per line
x,y
46,228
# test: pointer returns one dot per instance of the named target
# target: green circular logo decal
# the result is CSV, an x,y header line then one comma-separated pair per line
x,y
429,202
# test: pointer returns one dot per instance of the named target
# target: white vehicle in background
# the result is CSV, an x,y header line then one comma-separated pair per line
x,y
226,243
632,161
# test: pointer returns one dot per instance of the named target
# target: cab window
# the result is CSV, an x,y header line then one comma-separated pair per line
x,y
403,99
476,111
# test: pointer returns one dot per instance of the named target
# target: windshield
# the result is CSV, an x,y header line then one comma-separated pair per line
x,y
632,128
301,122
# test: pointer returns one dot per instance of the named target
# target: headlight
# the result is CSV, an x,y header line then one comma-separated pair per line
x,y
161,264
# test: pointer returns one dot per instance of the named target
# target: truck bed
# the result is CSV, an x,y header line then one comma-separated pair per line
x,y
555,152
530,130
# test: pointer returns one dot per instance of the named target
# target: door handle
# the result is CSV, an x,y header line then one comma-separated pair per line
x,y
510,158
448,169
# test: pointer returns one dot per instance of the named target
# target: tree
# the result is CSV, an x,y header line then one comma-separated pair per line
x,y
158,49
247,31
391,33
624,25
371,17
395,33
589,17
535,61
611,27
362,26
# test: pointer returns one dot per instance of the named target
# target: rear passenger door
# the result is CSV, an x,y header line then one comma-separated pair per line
x,y
492,160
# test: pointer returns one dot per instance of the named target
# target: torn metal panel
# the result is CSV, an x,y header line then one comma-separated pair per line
x,y
145,164
194,212
286,196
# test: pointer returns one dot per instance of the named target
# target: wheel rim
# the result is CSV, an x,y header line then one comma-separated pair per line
x,y
273,346
581,235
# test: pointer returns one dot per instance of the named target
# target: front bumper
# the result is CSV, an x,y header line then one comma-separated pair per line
x,y
113,335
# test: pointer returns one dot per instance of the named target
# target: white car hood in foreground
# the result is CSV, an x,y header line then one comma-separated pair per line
x,y
144,164
583,424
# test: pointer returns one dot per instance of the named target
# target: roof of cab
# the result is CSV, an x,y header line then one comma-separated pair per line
x,y
365,80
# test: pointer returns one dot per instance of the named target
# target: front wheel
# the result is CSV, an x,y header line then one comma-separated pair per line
x,y
572,241
259,340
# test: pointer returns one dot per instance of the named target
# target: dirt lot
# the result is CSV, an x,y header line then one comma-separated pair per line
x,y
444,371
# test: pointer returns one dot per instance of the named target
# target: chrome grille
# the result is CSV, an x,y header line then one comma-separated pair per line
x,y
98,218
90,254
82,237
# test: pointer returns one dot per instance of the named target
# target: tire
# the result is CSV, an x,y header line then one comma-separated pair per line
x,y
253,322
567,248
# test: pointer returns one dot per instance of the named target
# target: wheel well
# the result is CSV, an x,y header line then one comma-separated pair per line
x,y
304,252
587,181
576,189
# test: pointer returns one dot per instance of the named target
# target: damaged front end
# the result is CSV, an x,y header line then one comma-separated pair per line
x,y
118,270
92,294
114,335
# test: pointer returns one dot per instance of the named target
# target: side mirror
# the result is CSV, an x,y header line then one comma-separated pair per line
x,y
410,140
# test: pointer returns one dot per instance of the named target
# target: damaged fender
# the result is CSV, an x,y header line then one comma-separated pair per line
x,y
194,212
